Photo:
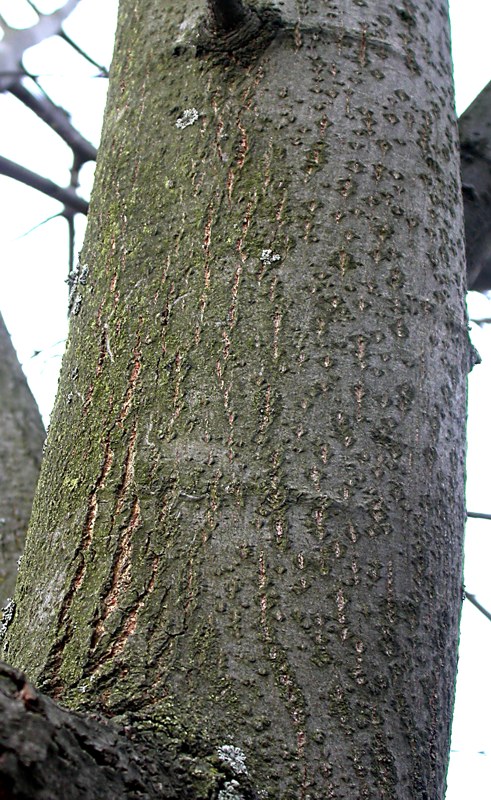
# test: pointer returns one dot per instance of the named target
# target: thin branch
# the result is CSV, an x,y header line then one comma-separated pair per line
x,y
478,605
483,321
57,119
476,515
39,225
226,14
103,71
44,185
46,26
61,33
71,242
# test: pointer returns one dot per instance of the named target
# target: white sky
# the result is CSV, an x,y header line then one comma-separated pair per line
x,y
33,298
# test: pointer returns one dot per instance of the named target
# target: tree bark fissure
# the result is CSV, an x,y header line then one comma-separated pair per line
x,y
258,534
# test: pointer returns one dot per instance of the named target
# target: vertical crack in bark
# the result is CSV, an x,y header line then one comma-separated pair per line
x,y
56,655
103,352
122,564
135,372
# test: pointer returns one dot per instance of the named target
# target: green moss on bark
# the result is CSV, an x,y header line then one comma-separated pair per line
x,y
251,534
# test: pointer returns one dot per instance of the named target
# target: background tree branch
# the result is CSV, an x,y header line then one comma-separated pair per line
x,y
16,41
57,119
475,166
66,196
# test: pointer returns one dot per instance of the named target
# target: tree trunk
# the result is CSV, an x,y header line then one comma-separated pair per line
x,y
21,443
249,520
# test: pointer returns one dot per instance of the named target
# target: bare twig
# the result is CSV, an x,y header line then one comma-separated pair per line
x,y
483,321
478,605
104,73
65,196
476,515
39,225
57,119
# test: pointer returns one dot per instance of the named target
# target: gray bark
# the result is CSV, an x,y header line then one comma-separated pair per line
x,y
249,521
21,442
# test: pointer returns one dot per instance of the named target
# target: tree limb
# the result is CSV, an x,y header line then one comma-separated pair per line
x,y
478,515
66,196
57,119
47,751
44,747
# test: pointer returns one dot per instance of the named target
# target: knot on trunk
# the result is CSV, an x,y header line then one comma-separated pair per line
x,y
235,28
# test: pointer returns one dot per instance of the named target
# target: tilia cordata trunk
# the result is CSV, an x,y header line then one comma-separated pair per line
x,y
249,521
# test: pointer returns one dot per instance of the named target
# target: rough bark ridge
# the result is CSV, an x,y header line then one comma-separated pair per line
x,y
21,443
48,753
249,521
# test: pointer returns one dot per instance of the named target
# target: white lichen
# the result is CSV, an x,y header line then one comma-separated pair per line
x,y
234,758
7,616
83,274
77,278
268,257
231,791
77,304
189,117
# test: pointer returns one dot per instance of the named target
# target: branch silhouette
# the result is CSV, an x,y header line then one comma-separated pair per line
x,y
57,119
477,604
66,196
12,73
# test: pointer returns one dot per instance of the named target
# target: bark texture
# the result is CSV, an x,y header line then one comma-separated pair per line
x,y
48,753
21,443
249,522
